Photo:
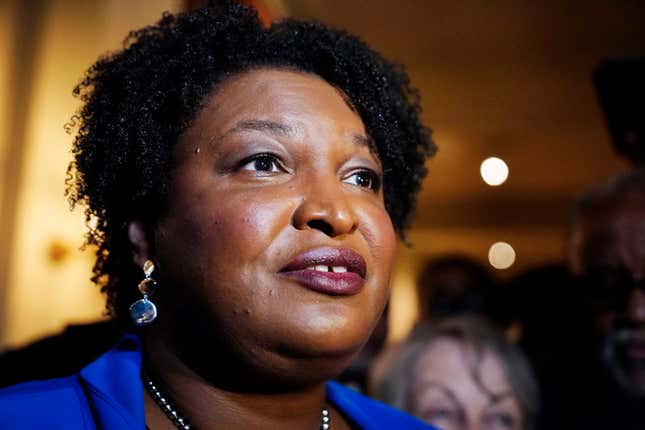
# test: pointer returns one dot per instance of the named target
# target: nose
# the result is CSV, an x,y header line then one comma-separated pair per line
x,y
325,208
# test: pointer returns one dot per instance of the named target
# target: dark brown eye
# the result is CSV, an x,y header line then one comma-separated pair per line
x,y
261,163
364,179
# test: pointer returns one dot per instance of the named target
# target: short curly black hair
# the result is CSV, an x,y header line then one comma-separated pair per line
x,y
137,101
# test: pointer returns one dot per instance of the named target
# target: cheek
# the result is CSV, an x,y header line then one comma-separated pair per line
x,y
511,407
214,240
247,225
377,230
241,224
377,233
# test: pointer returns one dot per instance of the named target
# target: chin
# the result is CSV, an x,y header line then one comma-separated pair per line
x,y
315,352
329,334
303,350
627,372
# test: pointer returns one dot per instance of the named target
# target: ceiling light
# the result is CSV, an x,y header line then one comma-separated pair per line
x,y
494,171
501,255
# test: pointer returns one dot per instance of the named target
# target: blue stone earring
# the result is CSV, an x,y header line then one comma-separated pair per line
x,y
143,311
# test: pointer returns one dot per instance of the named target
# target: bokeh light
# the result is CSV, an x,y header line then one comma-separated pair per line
x,y
501,255
494,171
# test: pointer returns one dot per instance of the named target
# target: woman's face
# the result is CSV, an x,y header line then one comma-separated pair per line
x,y
273,187
445,393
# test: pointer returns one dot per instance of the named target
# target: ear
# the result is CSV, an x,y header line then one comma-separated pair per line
x,y
139,241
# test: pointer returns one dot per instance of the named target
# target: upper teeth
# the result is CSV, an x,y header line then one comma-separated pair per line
x,y
322,268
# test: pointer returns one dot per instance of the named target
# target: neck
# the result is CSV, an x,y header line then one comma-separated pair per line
x,y
208,406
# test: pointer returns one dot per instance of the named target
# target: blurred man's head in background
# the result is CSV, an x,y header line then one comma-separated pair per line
x,y
453,285
607,255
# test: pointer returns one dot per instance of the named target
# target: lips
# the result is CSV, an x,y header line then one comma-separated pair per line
x,y
333,271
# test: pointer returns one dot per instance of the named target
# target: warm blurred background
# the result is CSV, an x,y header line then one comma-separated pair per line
x,y
502,79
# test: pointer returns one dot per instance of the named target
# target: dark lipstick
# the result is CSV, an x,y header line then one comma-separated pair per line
x,y
334,271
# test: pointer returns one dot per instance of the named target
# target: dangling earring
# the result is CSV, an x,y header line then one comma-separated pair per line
x,y
143,311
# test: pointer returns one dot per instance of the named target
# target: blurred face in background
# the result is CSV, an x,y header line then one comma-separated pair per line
x,y
456,389
608,256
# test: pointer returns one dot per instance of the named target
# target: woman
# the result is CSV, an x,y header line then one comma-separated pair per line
x,y
244,185
461,374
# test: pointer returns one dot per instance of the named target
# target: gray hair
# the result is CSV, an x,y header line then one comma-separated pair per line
x,y
395,386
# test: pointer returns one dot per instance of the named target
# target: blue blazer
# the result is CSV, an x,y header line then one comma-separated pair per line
x,y
108,394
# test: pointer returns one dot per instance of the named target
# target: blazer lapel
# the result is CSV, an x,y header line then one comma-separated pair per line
x,y
114,387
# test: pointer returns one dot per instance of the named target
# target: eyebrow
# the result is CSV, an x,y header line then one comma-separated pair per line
x,y
281,129
362,140
446,391
262,125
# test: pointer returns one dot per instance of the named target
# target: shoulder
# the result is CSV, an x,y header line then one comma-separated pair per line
x,y
369,414
107,392
55,403
66,352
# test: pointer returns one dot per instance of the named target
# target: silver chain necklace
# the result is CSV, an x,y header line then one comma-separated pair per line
x,y
181,423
